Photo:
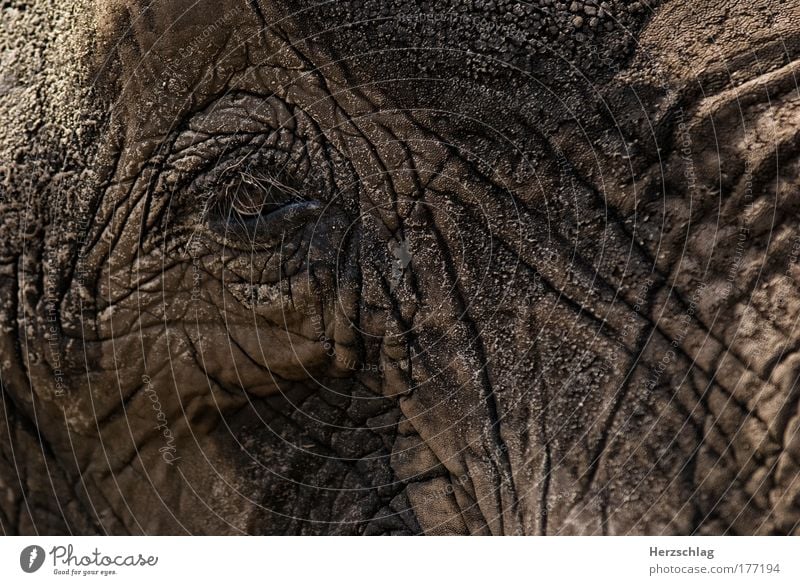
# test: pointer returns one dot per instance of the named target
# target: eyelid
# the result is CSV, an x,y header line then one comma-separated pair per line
x,y
270,229
272,182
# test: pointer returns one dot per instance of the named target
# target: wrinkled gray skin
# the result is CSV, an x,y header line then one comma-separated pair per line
x,y
525,269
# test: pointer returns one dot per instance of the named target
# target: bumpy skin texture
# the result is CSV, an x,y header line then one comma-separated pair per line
x,y
533,269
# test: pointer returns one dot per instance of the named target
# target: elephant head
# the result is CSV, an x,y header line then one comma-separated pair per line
x,y
369,267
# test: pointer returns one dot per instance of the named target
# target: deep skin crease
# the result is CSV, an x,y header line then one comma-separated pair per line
x,y
524,269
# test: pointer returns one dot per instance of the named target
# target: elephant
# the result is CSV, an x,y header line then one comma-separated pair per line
x,y
392,267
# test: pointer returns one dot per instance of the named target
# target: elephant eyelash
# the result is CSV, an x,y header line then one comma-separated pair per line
x,y
275,192
257,207
247,192
253,192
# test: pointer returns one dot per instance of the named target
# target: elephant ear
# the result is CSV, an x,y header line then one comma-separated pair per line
x,y
720,197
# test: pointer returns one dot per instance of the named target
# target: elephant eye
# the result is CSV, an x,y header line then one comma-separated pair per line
x,y
258,209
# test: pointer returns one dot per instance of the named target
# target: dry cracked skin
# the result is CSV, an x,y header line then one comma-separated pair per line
x,y
399,267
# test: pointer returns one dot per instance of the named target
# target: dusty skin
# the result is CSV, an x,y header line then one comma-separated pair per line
x,y
384,267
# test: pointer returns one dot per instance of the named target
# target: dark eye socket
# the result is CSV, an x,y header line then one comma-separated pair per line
x,y
259,210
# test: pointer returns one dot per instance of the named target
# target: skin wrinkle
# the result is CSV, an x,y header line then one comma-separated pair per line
x,y
595,459
489,397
